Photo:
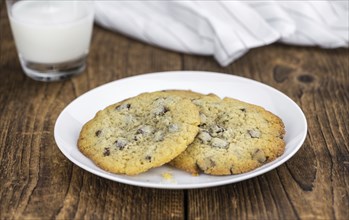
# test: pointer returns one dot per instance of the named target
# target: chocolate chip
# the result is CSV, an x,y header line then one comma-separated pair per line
x,y
215,130
166,109
203,117
106,151
160,110
205,164
145,130
148,158
254,133
202,125
243,109
120,144
259,156
98,133
159,136
204,136
217,142
123,106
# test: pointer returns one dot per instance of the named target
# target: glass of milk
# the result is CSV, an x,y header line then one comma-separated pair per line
x,y
52,36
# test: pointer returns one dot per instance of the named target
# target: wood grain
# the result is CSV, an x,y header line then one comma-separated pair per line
x,y
314,183
38,182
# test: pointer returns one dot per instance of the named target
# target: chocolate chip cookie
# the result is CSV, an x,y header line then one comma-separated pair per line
x,y
137,134
234,137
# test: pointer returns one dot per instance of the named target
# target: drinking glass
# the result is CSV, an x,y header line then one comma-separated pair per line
x,y
52,37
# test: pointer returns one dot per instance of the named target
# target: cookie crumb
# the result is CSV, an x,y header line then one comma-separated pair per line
x,y
168,177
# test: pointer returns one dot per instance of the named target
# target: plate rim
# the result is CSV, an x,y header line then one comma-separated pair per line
x,y
237,178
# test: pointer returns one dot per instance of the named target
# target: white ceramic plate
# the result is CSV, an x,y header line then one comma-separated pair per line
x,y
82,109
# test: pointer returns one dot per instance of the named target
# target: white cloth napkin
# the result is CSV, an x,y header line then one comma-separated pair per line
x,y
227,29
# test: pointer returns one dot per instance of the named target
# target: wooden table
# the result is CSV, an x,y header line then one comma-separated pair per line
x,y
38,181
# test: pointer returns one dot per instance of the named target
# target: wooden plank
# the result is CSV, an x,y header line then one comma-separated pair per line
x,y
37,181
314,183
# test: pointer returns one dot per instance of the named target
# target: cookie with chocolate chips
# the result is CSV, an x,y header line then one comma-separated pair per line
x,y
140,133
234,137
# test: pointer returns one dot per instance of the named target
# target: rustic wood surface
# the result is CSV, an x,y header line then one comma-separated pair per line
x,y
37,181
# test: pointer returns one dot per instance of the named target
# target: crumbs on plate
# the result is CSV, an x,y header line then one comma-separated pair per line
x,y
168,177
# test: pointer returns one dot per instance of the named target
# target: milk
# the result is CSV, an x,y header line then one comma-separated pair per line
x,y
51,31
